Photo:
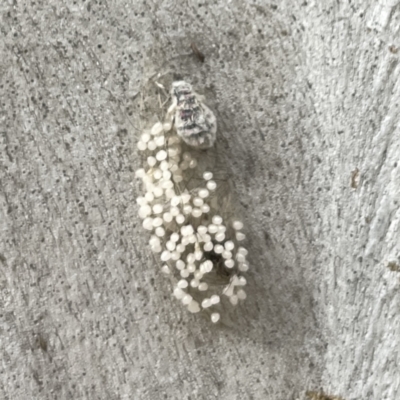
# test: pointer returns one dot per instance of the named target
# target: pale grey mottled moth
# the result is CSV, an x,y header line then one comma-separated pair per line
x,y
195,123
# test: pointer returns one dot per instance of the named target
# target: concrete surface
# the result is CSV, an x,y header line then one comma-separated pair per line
x,y
307,94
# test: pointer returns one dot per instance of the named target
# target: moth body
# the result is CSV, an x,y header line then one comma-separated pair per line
x,y
195,123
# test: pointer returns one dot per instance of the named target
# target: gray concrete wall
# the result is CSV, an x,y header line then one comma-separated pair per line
x,y
308,93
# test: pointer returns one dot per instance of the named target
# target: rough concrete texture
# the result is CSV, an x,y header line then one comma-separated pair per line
x,y
308,93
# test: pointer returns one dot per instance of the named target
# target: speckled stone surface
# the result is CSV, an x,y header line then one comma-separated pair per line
x,y
307,99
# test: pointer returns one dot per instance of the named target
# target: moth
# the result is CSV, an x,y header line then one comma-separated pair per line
x,y
194,122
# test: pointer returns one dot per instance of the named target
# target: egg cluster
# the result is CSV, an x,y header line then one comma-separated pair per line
x,y
197,247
